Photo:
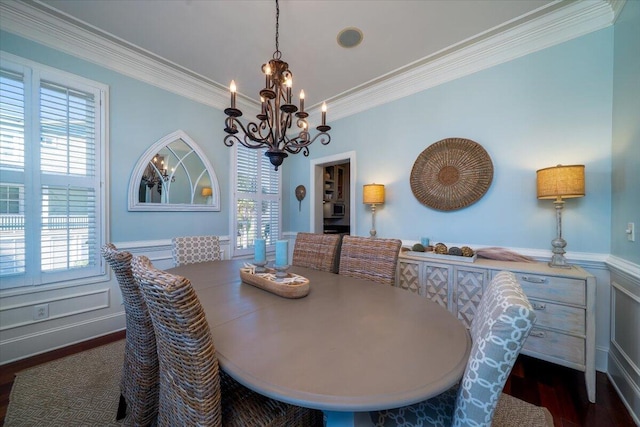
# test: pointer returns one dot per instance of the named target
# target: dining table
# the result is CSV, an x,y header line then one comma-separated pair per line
x,y
348,347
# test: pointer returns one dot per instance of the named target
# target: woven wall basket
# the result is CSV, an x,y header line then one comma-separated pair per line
x,y
451,174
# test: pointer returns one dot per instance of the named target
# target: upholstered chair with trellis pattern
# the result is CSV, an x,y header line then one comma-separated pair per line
x,y
193,390
370,258
316,251
502,323
192,249
139,382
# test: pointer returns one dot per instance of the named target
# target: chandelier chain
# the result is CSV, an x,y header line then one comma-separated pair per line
x,y
277,54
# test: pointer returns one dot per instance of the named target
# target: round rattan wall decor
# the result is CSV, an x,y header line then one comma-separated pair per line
x,y
451,174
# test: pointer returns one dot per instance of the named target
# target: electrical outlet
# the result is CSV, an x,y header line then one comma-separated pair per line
x,y
40,311
631,232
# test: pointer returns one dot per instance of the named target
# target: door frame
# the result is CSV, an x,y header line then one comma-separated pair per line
x,y
317,184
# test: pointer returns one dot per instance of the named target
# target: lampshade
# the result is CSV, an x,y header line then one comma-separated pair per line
x,y
373,194
560,181
206,192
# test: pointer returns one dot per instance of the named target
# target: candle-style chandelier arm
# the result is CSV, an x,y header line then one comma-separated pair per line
x,y
249,138
302,142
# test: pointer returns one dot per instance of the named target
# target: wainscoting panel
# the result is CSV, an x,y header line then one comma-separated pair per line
x,y
624,353
41,310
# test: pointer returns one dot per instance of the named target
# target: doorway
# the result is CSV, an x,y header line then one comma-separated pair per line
x,y
346,164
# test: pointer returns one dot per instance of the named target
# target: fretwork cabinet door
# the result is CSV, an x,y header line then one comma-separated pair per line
x,y
436,282
468,286
410,277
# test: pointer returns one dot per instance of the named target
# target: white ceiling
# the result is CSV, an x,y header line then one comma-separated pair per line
x,y
222,40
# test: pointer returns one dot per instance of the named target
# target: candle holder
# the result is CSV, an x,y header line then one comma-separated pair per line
x,y
260,266
281,271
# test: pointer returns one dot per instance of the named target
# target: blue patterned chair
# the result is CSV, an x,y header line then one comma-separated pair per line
x,y
502,323
192,249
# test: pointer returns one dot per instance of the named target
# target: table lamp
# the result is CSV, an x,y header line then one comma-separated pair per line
x,y
558,183
373,194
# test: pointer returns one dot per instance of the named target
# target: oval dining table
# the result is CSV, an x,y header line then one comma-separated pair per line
x,y
350,346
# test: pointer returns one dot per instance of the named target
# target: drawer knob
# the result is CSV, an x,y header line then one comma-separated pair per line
x,y
534,279
538,334
538,306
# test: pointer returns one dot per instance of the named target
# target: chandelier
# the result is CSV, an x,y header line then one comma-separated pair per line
x,y
276,115
156,173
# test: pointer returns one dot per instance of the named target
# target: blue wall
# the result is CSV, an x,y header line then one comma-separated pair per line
x,y
625,191
551,107
139,115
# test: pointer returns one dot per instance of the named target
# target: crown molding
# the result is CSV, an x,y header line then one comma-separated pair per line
x,y
560,22
33,22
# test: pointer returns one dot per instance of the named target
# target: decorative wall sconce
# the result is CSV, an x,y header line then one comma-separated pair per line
x,y
301,192
373,194
558,183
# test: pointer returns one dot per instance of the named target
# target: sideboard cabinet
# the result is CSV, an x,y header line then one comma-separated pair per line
x,y
563,299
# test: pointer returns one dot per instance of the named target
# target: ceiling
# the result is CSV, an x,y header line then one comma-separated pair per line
x,y
221,40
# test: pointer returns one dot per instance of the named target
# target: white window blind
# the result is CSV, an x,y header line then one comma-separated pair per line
x,y
257,200
59,226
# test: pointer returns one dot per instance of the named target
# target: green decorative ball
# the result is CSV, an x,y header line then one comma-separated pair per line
x,y
417,248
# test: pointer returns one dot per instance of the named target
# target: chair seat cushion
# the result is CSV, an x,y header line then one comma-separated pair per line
x,y
437,411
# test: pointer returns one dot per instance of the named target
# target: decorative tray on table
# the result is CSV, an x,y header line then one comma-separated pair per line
x,y
290,286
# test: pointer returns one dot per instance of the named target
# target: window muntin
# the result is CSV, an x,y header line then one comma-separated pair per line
x,y
60,222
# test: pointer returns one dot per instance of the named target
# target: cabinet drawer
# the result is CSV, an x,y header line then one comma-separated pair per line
x,y
555,344
560,289
569,319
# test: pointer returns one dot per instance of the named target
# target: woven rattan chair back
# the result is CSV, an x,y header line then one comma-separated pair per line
x,y
316,251
370,258
139,383
189,379
193,391
192,249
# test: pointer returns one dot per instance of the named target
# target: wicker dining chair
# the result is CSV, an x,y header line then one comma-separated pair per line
x,y
370,258
139,382
193,390
316,251
502,323
192,249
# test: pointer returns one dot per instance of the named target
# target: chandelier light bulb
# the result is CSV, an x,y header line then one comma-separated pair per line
x,y
232,89
324,114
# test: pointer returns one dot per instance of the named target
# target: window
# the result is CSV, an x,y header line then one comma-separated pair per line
x,y
52,154
256,200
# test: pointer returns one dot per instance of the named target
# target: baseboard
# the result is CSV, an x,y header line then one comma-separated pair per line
x,y
51,339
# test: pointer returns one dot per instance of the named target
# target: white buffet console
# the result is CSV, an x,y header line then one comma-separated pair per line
x,y
563,299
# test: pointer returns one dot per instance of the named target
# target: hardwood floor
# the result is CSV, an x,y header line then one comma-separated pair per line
x,y
559,389
563,392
